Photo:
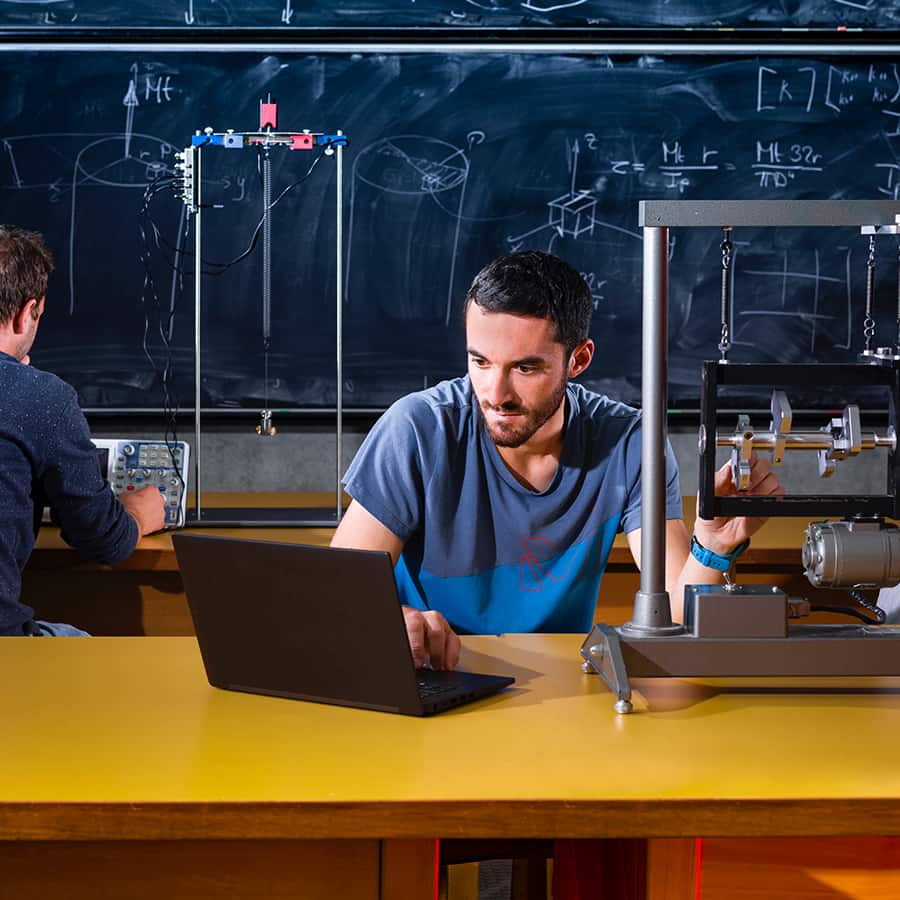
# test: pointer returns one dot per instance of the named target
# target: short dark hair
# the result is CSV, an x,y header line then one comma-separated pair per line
x,y
25,266
532,283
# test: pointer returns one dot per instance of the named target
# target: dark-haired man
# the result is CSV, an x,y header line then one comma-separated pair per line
x,y
499,494
46,455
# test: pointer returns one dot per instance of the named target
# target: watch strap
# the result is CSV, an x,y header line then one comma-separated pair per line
x,y
721,562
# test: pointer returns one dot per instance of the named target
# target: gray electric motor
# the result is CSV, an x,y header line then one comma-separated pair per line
x,y
850,554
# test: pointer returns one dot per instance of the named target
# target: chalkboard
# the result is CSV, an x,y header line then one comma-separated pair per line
x,y
454,159
356,14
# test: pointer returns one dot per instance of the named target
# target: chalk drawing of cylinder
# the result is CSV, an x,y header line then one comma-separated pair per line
x,y
406,200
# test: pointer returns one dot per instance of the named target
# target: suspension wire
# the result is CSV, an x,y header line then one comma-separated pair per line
x,y
869,322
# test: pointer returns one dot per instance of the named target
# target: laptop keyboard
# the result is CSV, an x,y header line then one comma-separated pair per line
x,y
428,690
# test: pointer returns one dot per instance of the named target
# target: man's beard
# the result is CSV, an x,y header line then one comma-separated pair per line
x,y
509,435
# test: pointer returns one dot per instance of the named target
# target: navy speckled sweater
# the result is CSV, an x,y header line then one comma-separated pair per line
x,y
46,457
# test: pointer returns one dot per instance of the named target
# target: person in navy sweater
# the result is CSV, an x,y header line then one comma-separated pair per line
x,y
46,454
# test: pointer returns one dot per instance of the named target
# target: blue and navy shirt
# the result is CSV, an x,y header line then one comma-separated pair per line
x,y
47,458
487,552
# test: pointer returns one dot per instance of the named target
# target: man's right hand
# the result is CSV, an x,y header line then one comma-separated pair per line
x,y
147,507
432,641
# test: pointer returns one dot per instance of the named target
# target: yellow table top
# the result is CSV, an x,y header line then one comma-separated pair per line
x,y
123,737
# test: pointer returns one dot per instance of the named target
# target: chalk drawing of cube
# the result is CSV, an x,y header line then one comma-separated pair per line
x,y
573,213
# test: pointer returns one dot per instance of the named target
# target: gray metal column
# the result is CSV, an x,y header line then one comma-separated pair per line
x,y
651,602
339,325
198,244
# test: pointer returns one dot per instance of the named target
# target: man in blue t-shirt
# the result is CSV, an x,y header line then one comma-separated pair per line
x,y
499,494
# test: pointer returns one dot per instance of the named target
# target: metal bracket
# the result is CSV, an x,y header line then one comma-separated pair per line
x,y
782,419
602,652
741,454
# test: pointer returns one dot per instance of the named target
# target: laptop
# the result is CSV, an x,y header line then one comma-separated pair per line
x,y
311,623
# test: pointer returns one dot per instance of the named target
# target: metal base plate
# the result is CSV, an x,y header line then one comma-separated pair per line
x,y
262,517
816,650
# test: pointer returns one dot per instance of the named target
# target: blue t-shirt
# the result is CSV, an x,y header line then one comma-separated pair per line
x,y
487,552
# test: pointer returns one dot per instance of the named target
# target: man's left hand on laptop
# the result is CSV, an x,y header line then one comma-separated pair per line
x,y
431,639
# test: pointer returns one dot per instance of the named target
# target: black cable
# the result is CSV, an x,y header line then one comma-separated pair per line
x,y
877,612
878,616
166,374
256,231
221,267
845,611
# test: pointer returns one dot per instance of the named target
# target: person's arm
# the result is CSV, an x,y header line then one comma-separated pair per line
x,y
90,517
360,530
431,639
721,535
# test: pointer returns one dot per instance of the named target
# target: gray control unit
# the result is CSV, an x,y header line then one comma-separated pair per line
x,y
130,465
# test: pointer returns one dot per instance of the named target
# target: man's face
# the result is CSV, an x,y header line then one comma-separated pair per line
x,y
518,371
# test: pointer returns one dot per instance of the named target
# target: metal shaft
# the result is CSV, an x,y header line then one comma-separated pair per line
x,y
339,324
198,186
652,612
653,401
805,440
267,250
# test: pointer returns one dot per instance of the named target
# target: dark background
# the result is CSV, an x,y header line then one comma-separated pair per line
x,y
454,158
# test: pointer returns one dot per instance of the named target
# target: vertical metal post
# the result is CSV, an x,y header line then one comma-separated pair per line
x,y
197,282
652,612
267,255
339,324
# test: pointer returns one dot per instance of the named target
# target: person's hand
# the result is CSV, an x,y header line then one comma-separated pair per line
x,y
147,507
722,535
431,639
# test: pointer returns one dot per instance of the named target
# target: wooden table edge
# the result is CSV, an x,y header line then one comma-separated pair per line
x,y
809,817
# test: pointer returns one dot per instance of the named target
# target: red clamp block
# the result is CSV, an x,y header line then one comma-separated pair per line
x,y
302,141
268,115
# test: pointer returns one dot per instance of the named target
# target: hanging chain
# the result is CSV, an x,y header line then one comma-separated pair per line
x,y
725,336
869,322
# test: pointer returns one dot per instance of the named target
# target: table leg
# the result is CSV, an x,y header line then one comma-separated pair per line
x,y
192,870
409,869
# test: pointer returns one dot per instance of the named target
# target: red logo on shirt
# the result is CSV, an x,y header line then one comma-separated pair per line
x,y
532,571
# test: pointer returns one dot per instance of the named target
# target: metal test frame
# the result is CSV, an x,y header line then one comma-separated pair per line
x,y
191,167
650,645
